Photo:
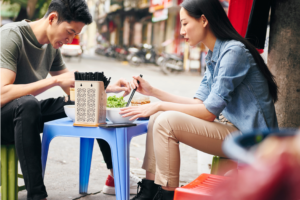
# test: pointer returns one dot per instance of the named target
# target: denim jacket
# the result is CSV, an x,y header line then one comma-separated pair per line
x,y
234,86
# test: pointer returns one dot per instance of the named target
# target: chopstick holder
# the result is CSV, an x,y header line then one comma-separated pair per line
x,y
90,104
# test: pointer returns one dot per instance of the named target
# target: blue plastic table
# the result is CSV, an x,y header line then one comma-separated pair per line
x,y
117,138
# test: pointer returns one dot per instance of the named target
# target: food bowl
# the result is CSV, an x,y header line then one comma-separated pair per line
x,y
70,111
112,114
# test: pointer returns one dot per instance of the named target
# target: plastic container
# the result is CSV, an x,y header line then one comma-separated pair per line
x,y
140,100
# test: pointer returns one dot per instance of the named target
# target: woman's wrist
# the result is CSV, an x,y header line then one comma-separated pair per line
x,y
159,106
154,92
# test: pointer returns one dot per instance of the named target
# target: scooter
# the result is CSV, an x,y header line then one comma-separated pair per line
x,y
73,49
146,54
111,51
122,53
170,63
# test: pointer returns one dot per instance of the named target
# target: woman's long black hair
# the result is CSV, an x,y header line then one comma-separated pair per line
x,y
223,30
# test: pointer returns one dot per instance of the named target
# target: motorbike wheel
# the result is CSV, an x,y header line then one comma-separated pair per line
x,y
160,60
163,66
135,61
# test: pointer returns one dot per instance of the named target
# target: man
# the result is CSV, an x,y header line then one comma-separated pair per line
x,y
29,51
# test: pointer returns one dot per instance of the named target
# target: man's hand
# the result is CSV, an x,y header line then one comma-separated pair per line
x,y
120,86
65,79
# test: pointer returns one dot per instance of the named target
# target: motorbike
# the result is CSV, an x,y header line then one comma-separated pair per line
x,y
111,51
170,63
122,53
146,54
74,49
100,49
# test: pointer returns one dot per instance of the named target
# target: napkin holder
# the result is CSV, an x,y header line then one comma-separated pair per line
x,y
90,103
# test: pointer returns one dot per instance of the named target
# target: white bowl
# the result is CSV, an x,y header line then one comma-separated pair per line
x,y
70,111
112,114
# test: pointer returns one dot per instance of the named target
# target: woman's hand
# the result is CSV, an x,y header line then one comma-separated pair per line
x,y
144,87
140,111
120,86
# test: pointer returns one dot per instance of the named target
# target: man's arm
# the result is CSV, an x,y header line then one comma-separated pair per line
x,y
10,91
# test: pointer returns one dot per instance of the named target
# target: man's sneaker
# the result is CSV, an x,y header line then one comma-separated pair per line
x,y
109,187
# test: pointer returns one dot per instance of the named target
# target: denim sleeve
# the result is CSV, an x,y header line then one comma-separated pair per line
x,y
233,68
203,91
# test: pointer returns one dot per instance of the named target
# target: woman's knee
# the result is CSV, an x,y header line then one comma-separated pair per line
x,y
163,122
152,118
166,117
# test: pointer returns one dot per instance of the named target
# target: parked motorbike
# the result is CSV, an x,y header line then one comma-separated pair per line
x,y
100,49
111,51
170,63
74,49
131,52
146,54
122,53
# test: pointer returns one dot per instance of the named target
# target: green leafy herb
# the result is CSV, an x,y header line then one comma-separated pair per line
x,y
115,102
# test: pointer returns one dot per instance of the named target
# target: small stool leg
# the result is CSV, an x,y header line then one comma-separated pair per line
x,y
86,151
4,174
222,165
215,165
12,173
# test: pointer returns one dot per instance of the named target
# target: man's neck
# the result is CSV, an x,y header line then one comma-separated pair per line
x,y
39,29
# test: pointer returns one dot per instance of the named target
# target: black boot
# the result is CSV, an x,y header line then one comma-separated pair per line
x,y
163,194
147,191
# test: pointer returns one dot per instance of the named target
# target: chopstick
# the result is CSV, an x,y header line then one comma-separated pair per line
x,y
132,93
90,76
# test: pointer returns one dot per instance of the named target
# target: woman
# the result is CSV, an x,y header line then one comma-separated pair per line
x,y
237,83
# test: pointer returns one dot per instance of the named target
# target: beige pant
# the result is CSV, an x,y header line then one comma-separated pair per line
x,y
166,130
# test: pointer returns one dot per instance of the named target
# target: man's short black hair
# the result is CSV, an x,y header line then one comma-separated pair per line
x,y
70,10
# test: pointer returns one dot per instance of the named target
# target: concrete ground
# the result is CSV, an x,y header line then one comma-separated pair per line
x,y
62,172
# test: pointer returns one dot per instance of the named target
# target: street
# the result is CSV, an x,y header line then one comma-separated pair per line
x,y
62,171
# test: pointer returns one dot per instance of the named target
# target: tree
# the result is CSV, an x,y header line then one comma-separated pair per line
x,y
30,9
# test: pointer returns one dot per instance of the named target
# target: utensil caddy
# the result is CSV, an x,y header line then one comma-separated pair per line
x,y
90,103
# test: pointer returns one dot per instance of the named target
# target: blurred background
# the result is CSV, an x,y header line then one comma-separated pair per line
x,y
148,28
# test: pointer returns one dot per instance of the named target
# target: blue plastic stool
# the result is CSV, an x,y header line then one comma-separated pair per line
x,y
117,138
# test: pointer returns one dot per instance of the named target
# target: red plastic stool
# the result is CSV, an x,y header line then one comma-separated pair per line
x,y
199,189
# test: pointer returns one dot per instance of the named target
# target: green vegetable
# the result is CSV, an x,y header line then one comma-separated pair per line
x,y
115,102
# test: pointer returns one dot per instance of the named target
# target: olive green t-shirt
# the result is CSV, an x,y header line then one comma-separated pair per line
x,y
22,53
